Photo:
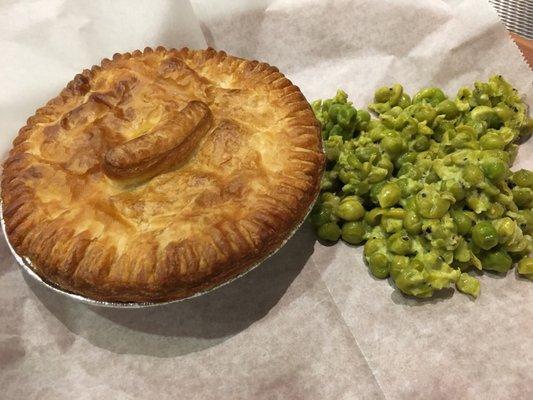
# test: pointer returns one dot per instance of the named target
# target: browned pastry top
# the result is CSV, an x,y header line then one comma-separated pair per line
x,y
160,174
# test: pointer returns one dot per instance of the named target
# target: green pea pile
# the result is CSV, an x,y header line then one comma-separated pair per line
x,y
427,185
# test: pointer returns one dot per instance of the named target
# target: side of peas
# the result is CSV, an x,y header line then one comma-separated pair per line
x,y
427,185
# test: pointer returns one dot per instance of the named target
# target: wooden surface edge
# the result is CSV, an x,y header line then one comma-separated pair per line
x,y
525,46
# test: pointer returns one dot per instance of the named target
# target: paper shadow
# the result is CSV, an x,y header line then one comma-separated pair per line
x,y
191,325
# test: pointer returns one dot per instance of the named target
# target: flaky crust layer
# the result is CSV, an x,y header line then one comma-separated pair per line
x,y
247,183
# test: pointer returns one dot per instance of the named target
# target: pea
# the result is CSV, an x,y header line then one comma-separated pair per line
x,y
432,95
496,154
360,188
523,178
363,118
468,130
522,196
329,231
380,108
375,190
397,264
373,124
366,153
421,143
383,94
480,128
396,213
486,114
330,198
410,203
491,141
391,225
468,284
490,190
346,117
334,111
321,215
462,141
525,267
413,282
462,221
495,210
379,265
389,195
393,144
417,265
406,170
353,232
354,162
494,169
350,209
526,220
396,95
503,112
386,163
373,217
399,243
484,235
333,148
455,188
425,130
409,157
431,204
346,176
431,177
336,130
498,261
462,253
329,180
374,245
473,175
506,228
412,223
377,174
448,109
403,184
425,113
405,101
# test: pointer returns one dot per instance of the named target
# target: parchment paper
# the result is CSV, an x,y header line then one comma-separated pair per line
x,y
310,323
45,43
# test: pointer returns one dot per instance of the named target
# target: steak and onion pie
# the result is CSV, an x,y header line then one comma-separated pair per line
x,y
160,174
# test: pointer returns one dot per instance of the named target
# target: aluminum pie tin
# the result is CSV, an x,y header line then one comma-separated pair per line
x,y
28,268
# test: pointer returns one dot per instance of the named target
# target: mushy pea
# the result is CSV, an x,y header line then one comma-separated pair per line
x,y
427,186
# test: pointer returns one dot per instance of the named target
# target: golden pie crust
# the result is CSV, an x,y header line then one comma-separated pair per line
x,y
160,174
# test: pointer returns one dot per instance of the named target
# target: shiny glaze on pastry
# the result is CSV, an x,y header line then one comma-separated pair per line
x,y
160,174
